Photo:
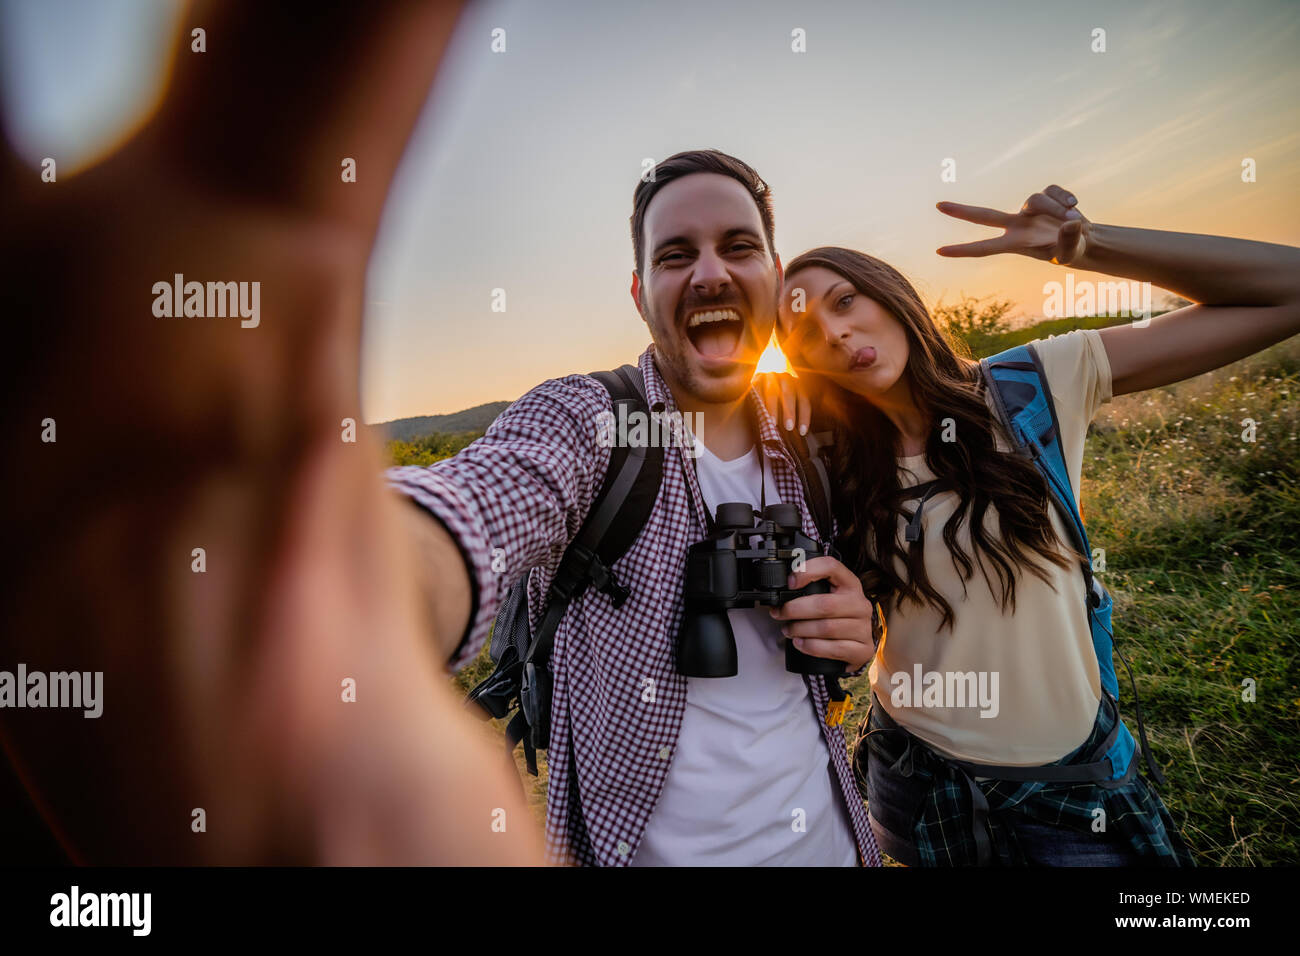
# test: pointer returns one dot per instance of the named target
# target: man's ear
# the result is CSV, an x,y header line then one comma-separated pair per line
x,y
636,294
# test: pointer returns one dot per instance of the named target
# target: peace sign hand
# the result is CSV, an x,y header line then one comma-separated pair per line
x,y
1048,226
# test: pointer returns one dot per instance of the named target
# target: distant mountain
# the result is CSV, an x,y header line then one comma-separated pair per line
x,y
475,419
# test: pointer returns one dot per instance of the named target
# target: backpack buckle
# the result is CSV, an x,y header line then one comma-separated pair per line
x,y
568,576
605,581
837,710
495,695
1096,594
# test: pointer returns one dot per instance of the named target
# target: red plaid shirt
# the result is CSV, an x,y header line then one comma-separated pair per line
x,y
516,498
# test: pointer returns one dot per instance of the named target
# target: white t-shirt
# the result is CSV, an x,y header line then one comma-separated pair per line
x,y
751,783
1047,685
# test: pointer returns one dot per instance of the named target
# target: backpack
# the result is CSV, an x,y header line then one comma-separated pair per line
x,y
1023,400
521,680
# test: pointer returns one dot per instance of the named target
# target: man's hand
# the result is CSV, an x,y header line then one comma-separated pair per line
x,y
835,626
1048,226
202,532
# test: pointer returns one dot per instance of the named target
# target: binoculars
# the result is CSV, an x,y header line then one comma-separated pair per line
x,y
724,571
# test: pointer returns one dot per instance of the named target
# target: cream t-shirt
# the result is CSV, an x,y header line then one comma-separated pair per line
x,y
1018,689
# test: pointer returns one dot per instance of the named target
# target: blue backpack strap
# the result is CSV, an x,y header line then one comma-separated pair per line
x,y
1024,403
1023,399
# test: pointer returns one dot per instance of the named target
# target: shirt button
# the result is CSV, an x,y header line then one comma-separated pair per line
x,y
623,848
663,753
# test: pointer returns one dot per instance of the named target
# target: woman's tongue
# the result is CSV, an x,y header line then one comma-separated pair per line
x,y
716,339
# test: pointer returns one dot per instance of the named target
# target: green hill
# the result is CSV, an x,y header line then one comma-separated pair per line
x,y
985,345
476,419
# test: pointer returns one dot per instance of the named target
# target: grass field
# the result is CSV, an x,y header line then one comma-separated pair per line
x,y
1201,532
1202,538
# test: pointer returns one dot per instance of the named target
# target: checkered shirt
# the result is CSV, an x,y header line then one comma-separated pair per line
x,y
944,834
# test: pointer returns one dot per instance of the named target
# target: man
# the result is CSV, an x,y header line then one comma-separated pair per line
x,y
646,766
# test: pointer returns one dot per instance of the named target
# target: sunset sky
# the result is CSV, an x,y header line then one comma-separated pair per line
x,y
520,175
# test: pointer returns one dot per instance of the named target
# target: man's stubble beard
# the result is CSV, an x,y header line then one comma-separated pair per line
x,y
683,373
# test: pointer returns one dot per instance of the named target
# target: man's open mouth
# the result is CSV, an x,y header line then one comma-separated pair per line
x,y
716,333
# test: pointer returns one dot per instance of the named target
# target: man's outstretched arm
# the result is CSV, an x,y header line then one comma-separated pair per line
x,y
511,501
444,580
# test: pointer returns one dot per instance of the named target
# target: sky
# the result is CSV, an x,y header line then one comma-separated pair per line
x,y
520,173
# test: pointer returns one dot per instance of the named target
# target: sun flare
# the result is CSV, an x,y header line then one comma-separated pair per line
x,y
773,359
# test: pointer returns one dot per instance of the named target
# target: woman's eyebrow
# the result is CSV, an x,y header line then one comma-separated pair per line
x,y
826,297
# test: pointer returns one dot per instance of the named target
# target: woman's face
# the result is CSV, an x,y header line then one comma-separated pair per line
x,y
841,334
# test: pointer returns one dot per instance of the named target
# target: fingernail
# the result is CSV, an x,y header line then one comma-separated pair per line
x,y
803,429
785,632
789,424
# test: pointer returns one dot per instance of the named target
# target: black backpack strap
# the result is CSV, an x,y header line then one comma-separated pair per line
x,y
633,499
807,451
618,513
516,731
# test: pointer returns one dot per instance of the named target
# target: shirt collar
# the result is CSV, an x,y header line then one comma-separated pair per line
x,y
656,390
768,432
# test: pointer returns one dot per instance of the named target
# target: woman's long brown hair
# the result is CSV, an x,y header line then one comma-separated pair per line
x,y
945,385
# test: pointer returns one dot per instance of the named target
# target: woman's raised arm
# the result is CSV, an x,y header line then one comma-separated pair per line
x,y
1246,293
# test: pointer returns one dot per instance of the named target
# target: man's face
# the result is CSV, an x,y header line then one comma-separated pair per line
x,y
709,285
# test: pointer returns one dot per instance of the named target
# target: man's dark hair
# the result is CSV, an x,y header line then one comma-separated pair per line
x,y
698,161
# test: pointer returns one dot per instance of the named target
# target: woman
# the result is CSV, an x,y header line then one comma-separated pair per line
x,y
986,583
